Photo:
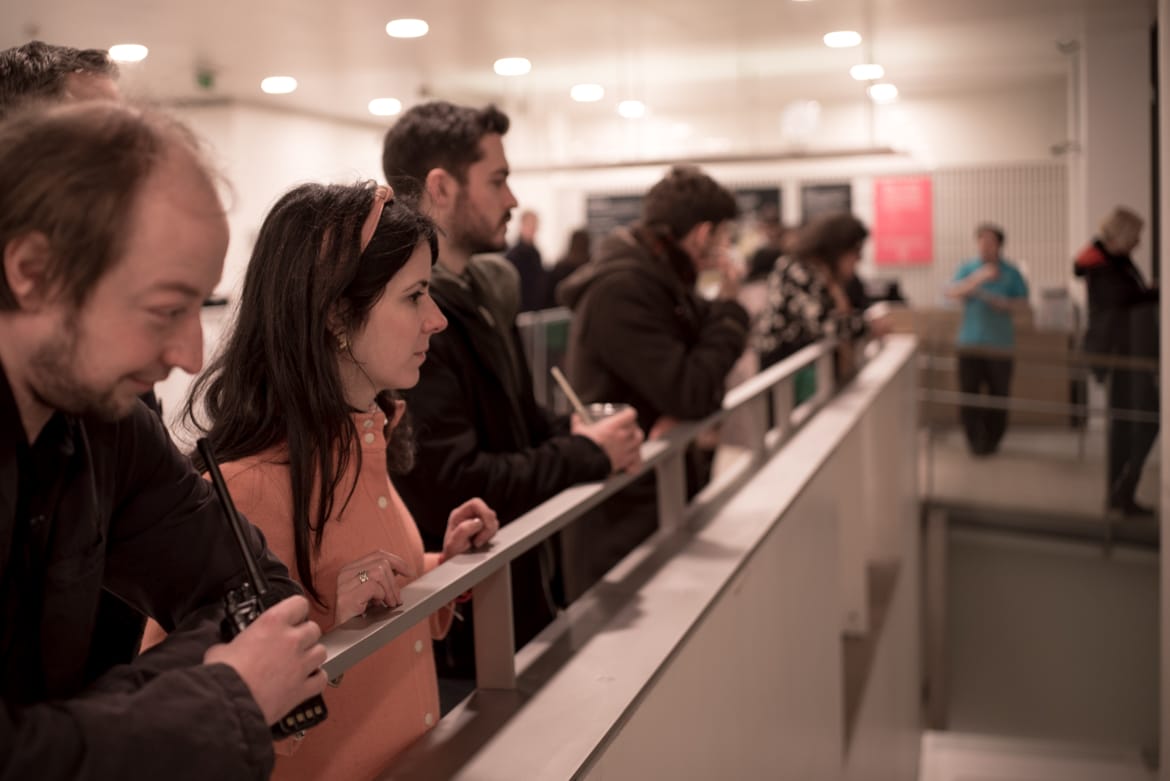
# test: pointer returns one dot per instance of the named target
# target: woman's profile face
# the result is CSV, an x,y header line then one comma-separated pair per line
x,y
847,264
393,343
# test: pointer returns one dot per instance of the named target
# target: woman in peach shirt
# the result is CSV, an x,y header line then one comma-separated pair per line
x,y
335,313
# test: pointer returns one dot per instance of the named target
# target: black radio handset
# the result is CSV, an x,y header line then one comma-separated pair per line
x,y
244,605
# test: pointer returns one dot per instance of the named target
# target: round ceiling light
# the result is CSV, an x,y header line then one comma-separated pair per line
x,y
279,85
385,107
867,72
632,109
128,52
842,39
512,66
587,93
882,93
407,28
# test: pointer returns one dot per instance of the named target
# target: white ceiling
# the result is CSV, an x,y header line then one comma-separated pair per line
x,y
673,54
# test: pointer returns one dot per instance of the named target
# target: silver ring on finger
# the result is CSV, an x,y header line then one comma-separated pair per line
x,y
363,576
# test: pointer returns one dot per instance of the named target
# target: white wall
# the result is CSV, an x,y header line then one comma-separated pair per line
x,y
1116,124
263,153
1005,126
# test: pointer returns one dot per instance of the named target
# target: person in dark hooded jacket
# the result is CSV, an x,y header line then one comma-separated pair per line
x,y
641,335
1122,322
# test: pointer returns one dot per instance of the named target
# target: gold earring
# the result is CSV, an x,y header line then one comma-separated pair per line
x,y
342,343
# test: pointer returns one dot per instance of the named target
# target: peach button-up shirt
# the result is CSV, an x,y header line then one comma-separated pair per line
x,y
391,698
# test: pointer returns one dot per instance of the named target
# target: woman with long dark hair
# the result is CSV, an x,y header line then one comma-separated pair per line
x,y
335,314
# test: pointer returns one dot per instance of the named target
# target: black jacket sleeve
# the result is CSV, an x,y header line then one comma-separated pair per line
x,y
192,723
451,465
631,330
1113,288
170,555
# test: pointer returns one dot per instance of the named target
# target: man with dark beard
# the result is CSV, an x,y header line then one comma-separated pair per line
x,y
480,431
112,233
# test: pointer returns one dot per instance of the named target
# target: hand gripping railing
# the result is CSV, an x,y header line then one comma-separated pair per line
x,y
486,573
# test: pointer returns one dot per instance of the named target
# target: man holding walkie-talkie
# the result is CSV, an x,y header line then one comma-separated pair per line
x,y
112,235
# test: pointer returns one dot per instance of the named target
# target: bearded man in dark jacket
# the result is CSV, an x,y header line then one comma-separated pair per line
x,y
1123,322
641,335
480,431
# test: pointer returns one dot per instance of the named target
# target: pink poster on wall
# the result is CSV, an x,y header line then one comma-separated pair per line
x,y
903,233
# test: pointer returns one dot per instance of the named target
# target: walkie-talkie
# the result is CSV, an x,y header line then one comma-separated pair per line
x,y
244,605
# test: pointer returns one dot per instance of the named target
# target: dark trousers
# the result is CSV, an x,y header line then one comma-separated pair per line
x,y
985,427
1129,441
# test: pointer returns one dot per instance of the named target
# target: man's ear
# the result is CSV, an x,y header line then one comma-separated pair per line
x,y
26,265
695,240
441,188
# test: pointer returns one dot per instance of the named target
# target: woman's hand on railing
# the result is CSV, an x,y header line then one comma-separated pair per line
x,y
470,525
370,579
619,436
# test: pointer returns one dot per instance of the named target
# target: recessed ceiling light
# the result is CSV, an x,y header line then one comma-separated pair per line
x,y
512,66
385,107
279,85
587,93
882,93
632,109
407,28
842,39
867,72
128,52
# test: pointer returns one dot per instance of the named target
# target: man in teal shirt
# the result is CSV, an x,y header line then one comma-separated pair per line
x,y
992,290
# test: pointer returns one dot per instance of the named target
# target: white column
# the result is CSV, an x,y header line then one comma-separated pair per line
x,y
1115,100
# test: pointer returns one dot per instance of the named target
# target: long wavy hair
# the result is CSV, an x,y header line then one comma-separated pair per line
x,y
277,381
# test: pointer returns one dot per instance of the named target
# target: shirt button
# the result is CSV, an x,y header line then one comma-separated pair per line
x,y
418,646
382,502
430,719
368,424
369,438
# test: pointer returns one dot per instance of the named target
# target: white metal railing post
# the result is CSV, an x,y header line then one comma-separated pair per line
x,y
783,399
825,375
672,490
495,649
756,414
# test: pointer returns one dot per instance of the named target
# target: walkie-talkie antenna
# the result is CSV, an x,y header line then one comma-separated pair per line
x,y
259,580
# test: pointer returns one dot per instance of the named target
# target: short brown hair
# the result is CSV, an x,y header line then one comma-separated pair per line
x,y
434,135
684,198
827,239
993,229
38,71
72,172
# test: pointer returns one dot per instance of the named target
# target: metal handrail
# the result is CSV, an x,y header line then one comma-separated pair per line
x,y
486,573
984,401
1072,358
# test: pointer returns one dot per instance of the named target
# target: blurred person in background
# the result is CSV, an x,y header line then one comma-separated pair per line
x,y
807,299
992,290
576,256
1123,322
41,72
300,408
641,335
764,258
526,258
480,431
